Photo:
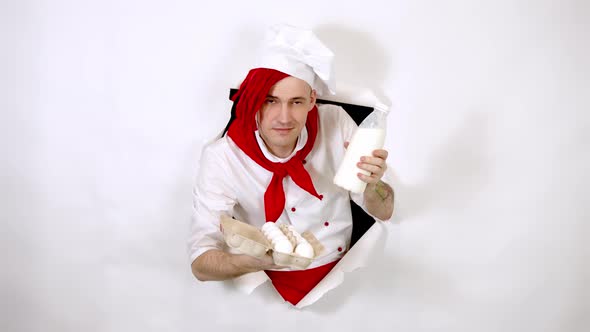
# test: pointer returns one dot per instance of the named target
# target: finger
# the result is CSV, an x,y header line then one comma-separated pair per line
x,y
374,161
277,267
268,263
266,260
380,153
374,169
368,178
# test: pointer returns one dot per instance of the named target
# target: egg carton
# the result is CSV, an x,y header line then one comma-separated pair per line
x,y
251,241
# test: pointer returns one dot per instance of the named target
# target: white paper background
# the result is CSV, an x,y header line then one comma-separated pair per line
x,y
106,104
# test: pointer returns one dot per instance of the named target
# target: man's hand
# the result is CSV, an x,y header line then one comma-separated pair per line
x,y
378,195
375,165
254,264
219,265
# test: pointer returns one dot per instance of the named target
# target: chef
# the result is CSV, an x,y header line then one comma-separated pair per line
x,y
277,162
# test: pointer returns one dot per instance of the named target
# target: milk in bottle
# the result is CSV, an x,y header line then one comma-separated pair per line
x,y
369,136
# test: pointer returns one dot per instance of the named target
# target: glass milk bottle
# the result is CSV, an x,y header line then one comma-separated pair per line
x,y
369,136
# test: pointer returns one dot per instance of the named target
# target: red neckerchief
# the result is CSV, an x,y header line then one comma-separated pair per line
x,y
250,98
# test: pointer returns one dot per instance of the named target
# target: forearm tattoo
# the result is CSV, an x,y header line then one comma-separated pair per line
x,y
382,190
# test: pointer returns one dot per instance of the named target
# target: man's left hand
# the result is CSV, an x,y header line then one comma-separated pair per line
x,y
375,165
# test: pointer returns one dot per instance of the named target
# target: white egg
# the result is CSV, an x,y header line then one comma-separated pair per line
x,y
304,249
268,226
283,246
274,233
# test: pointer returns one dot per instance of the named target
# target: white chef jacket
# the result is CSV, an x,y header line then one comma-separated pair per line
x,y
229,182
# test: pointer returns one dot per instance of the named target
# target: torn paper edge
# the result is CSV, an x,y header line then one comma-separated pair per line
x,y
354,259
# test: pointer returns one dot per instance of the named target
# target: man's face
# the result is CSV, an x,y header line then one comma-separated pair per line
x,y
283,114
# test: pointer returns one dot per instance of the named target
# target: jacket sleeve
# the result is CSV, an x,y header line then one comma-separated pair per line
x,y
213,195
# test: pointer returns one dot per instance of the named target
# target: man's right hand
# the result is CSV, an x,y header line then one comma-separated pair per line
x,y
256,264
219,265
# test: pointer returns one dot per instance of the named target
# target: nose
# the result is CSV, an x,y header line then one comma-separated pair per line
x,y
285,113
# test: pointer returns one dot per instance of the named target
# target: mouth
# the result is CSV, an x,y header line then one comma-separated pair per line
x,y
283,131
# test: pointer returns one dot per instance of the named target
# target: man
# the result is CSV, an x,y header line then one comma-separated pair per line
x,y
277,162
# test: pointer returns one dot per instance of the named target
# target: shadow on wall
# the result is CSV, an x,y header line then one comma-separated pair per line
x,y
457,170
456,174
360,61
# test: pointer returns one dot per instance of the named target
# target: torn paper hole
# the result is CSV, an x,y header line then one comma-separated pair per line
x,y
356,258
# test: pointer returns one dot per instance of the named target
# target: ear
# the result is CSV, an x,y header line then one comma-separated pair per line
x,y
314,97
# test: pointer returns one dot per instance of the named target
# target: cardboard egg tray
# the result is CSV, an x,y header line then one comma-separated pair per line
x,y
251,241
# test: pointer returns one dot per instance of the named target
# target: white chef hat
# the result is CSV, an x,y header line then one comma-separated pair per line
x,y
298,53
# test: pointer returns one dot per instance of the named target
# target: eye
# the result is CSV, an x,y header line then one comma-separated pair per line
x,y
269,101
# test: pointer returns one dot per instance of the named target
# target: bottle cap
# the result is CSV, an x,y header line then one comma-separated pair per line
x,y
382,107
